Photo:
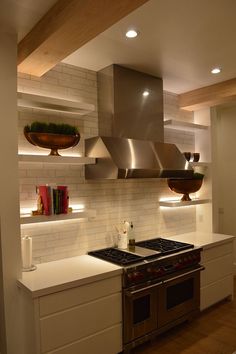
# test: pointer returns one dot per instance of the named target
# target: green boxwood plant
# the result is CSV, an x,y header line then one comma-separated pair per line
x,y
53,128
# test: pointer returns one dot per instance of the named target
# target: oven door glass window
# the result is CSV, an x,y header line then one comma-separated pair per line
x,y
141,309
140,313
179,296
179,293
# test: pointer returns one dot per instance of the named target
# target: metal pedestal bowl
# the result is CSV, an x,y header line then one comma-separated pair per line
x,y
51,141
184,186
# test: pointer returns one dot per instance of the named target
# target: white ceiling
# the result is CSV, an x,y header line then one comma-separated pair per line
x,y
180,41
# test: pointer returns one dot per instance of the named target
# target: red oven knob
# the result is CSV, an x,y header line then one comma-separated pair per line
x,y
150,270
137,275
159,271
178,265
130,276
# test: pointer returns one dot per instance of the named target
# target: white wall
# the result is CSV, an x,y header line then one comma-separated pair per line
x,y
114,201
203,145
224,169
10,263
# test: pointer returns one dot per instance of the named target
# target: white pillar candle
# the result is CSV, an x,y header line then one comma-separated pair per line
x,y
26,251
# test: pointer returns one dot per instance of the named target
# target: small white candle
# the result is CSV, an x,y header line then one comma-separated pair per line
x,y
26,251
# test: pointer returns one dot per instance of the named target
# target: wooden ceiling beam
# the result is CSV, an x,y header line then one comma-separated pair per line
x,y
208,96
67,26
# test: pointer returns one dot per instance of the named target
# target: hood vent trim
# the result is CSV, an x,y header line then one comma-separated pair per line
x,y
122,158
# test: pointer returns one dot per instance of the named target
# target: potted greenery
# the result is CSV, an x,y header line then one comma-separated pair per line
x,y
52,136
186,186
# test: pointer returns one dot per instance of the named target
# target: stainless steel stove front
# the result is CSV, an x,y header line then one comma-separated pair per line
x,y
158,295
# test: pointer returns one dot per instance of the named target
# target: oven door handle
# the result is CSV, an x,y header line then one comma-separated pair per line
x,y
134,292
199,269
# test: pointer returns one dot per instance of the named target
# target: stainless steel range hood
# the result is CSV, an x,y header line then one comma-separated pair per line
x,y
130,142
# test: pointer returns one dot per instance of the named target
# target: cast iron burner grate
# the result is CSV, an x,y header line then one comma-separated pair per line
x,y
116,256
164,246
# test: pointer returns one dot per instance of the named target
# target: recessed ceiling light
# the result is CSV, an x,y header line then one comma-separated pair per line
x,y
145,93
216,70
132,33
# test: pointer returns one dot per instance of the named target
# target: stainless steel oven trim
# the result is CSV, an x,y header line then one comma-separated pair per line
x,y
183,275
131,293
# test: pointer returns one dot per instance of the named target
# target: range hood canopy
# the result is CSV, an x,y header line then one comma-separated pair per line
x,y
131,130
130,158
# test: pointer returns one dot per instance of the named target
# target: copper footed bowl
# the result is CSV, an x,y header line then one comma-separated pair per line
x,y
184,186
51,141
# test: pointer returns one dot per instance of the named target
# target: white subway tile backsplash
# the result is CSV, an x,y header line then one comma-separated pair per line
x,y
114,201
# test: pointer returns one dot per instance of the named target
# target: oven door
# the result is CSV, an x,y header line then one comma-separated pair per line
x,y
140,311
179,296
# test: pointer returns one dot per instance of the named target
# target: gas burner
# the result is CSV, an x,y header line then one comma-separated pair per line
x,y
164,246
116,256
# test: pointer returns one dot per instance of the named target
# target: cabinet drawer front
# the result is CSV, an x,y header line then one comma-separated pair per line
x,y
217,251
215,292
217,269
76,323
105,342
76,296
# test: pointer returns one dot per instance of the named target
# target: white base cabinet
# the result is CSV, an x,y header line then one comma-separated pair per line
x,y
217,278
85,320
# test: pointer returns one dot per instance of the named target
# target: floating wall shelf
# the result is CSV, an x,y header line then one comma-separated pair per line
x,y
70,216
179,203
28,100
200,164
72,160
181,125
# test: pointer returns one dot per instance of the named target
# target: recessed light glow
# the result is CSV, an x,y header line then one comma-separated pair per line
x,y
216,70
145,93
131,33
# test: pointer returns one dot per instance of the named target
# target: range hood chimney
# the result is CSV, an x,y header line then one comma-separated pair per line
x,y
131,133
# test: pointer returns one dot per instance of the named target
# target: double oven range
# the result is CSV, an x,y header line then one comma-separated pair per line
x,y
161,286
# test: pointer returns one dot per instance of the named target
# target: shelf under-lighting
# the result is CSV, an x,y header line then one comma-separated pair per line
x,y
72,160
28,100
181,125
60,217
179,203
200,164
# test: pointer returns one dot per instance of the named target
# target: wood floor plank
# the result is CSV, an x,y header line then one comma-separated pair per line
x,y
213,332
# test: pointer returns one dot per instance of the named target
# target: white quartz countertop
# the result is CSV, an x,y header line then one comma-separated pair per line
x,y
76,271
66,273
203,239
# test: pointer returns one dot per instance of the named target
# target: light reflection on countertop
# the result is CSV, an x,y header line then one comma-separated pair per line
x,y
65,274
202,239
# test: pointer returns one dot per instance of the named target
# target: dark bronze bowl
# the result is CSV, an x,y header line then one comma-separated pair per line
x,y
184,186
52,141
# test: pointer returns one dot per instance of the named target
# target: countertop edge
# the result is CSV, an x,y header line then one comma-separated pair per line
x,y
219,242
69,285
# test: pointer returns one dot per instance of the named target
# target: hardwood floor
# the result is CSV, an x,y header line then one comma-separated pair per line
x,y
213,332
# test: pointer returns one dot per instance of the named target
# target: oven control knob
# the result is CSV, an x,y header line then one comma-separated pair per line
x,y
177,265
137,276
130,276
150,270
190,258
159,271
